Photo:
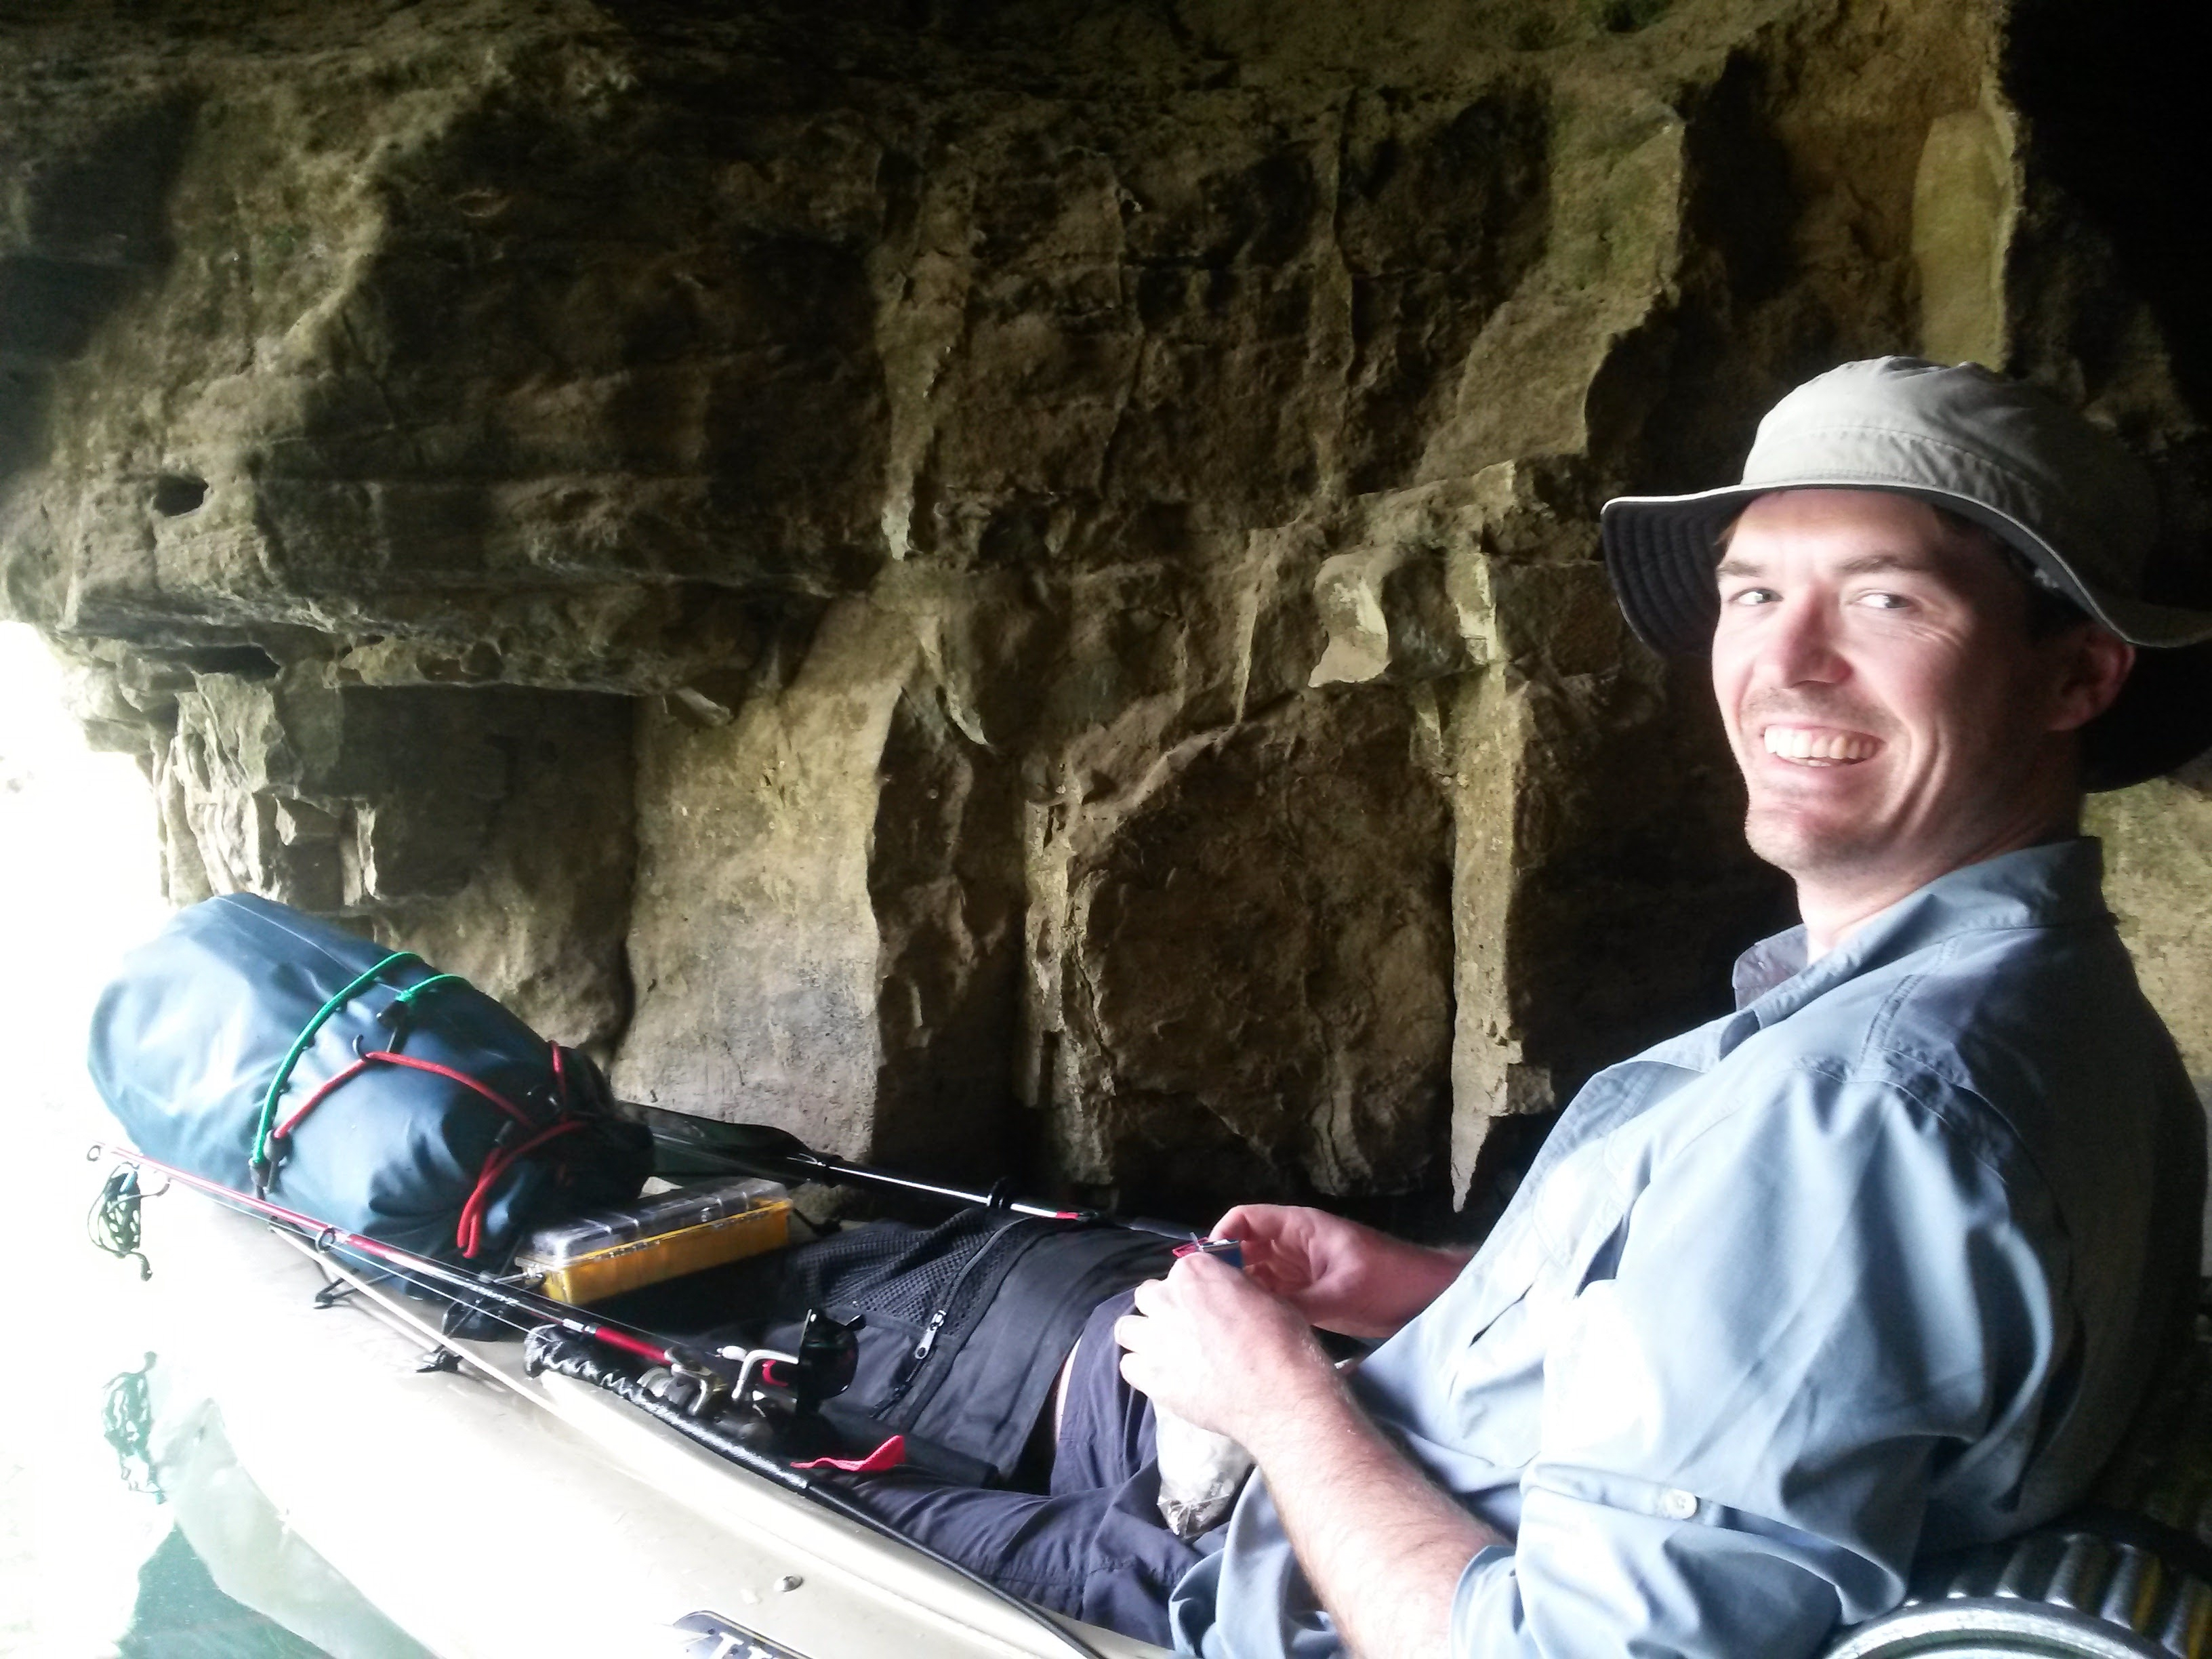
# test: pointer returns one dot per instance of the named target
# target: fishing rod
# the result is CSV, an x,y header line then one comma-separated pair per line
x,y
684,1144
557,1340
510,1304
687,1145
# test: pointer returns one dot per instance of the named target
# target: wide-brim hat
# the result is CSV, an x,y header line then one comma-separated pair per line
x,y
2063,491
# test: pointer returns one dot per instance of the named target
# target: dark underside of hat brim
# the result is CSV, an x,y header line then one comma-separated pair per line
x,y
1661,560
2162,720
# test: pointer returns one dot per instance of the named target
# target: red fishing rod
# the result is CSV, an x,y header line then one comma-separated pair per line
x,y
515,1306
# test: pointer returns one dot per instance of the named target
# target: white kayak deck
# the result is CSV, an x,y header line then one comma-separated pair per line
x,y
522,1517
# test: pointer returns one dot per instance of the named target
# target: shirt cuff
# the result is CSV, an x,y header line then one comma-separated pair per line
x,y
1485,1600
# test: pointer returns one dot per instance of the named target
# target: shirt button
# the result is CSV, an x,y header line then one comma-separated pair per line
x,y
1676,1504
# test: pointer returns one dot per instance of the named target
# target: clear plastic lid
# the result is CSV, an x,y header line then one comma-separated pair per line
x,y
665,1213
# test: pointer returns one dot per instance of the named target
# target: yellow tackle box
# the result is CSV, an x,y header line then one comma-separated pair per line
x,y
609,1251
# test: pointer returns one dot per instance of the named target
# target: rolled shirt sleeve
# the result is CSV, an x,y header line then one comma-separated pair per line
x,y
1819,1308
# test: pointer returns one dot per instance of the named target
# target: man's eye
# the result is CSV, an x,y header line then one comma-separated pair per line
x,y
1753,596
1885,601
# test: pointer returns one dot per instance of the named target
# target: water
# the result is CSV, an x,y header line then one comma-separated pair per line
x,y
103,1552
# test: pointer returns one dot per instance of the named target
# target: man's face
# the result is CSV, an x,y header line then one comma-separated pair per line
x,y
1891,716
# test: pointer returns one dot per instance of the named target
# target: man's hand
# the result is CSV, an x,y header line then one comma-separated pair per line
x,y
1383,1548
1217,1350
1339,1275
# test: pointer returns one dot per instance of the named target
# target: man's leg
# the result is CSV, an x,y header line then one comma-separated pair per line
x,y
1094,1546
1105,1435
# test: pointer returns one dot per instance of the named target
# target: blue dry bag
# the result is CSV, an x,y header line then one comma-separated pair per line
x,y
262,1049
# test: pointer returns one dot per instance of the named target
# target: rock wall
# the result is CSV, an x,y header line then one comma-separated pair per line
x,y
1006,586
2103,281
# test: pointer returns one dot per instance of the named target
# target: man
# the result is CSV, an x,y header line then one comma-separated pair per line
x,y
1875,1266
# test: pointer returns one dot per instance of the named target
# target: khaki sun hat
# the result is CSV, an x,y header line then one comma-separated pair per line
x,y
2061,491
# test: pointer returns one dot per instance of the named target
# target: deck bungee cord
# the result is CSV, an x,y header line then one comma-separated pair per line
x,y
341,1285
557,1340
262,1162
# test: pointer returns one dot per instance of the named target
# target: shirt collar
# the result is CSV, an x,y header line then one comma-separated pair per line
x,y
2040,886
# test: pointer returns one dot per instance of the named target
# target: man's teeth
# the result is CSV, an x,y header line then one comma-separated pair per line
x,y
1798,743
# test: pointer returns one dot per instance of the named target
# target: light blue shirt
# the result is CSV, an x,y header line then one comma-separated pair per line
x,y
1878,1264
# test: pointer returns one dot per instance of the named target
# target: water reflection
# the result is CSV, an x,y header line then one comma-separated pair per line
x,y
231,1578
126,1423
180,1614
89,1568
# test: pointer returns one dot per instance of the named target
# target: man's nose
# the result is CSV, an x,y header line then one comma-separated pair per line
x,y
1802,647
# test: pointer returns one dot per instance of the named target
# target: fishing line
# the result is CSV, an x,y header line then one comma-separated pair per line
x,y
114,1223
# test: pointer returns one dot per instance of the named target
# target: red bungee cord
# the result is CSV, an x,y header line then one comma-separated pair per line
x,y
468,1234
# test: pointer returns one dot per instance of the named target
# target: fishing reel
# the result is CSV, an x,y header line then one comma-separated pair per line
x,y
770,1383
794,1385
691,1387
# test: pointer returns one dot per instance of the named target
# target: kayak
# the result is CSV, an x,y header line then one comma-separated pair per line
x,y
487,1512
493,1515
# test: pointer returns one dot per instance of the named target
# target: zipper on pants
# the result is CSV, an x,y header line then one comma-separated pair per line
x,y
941,1313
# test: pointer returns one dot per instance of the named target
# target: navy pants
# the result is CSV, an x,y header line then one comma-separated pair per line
x,y
1094,1546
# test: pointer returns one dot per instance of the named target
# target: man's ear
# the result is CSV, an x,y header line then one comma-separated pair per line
x,y
2090,664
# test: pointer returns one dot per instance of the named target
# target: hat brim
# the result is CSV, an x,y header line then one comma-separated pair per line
x,y
1660,551
2162,720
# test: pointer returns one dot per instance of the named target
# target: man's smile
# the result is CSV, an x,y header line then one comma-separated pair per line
x,y
1819,745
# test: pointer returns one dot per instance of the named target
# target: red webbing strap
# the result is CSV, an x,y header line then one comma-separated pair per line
x,y
889,1455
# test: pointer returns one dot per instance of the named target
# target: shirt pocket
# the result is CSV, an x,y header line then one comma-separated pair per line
x,y
1576,1229
1497,1380
1497,1393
